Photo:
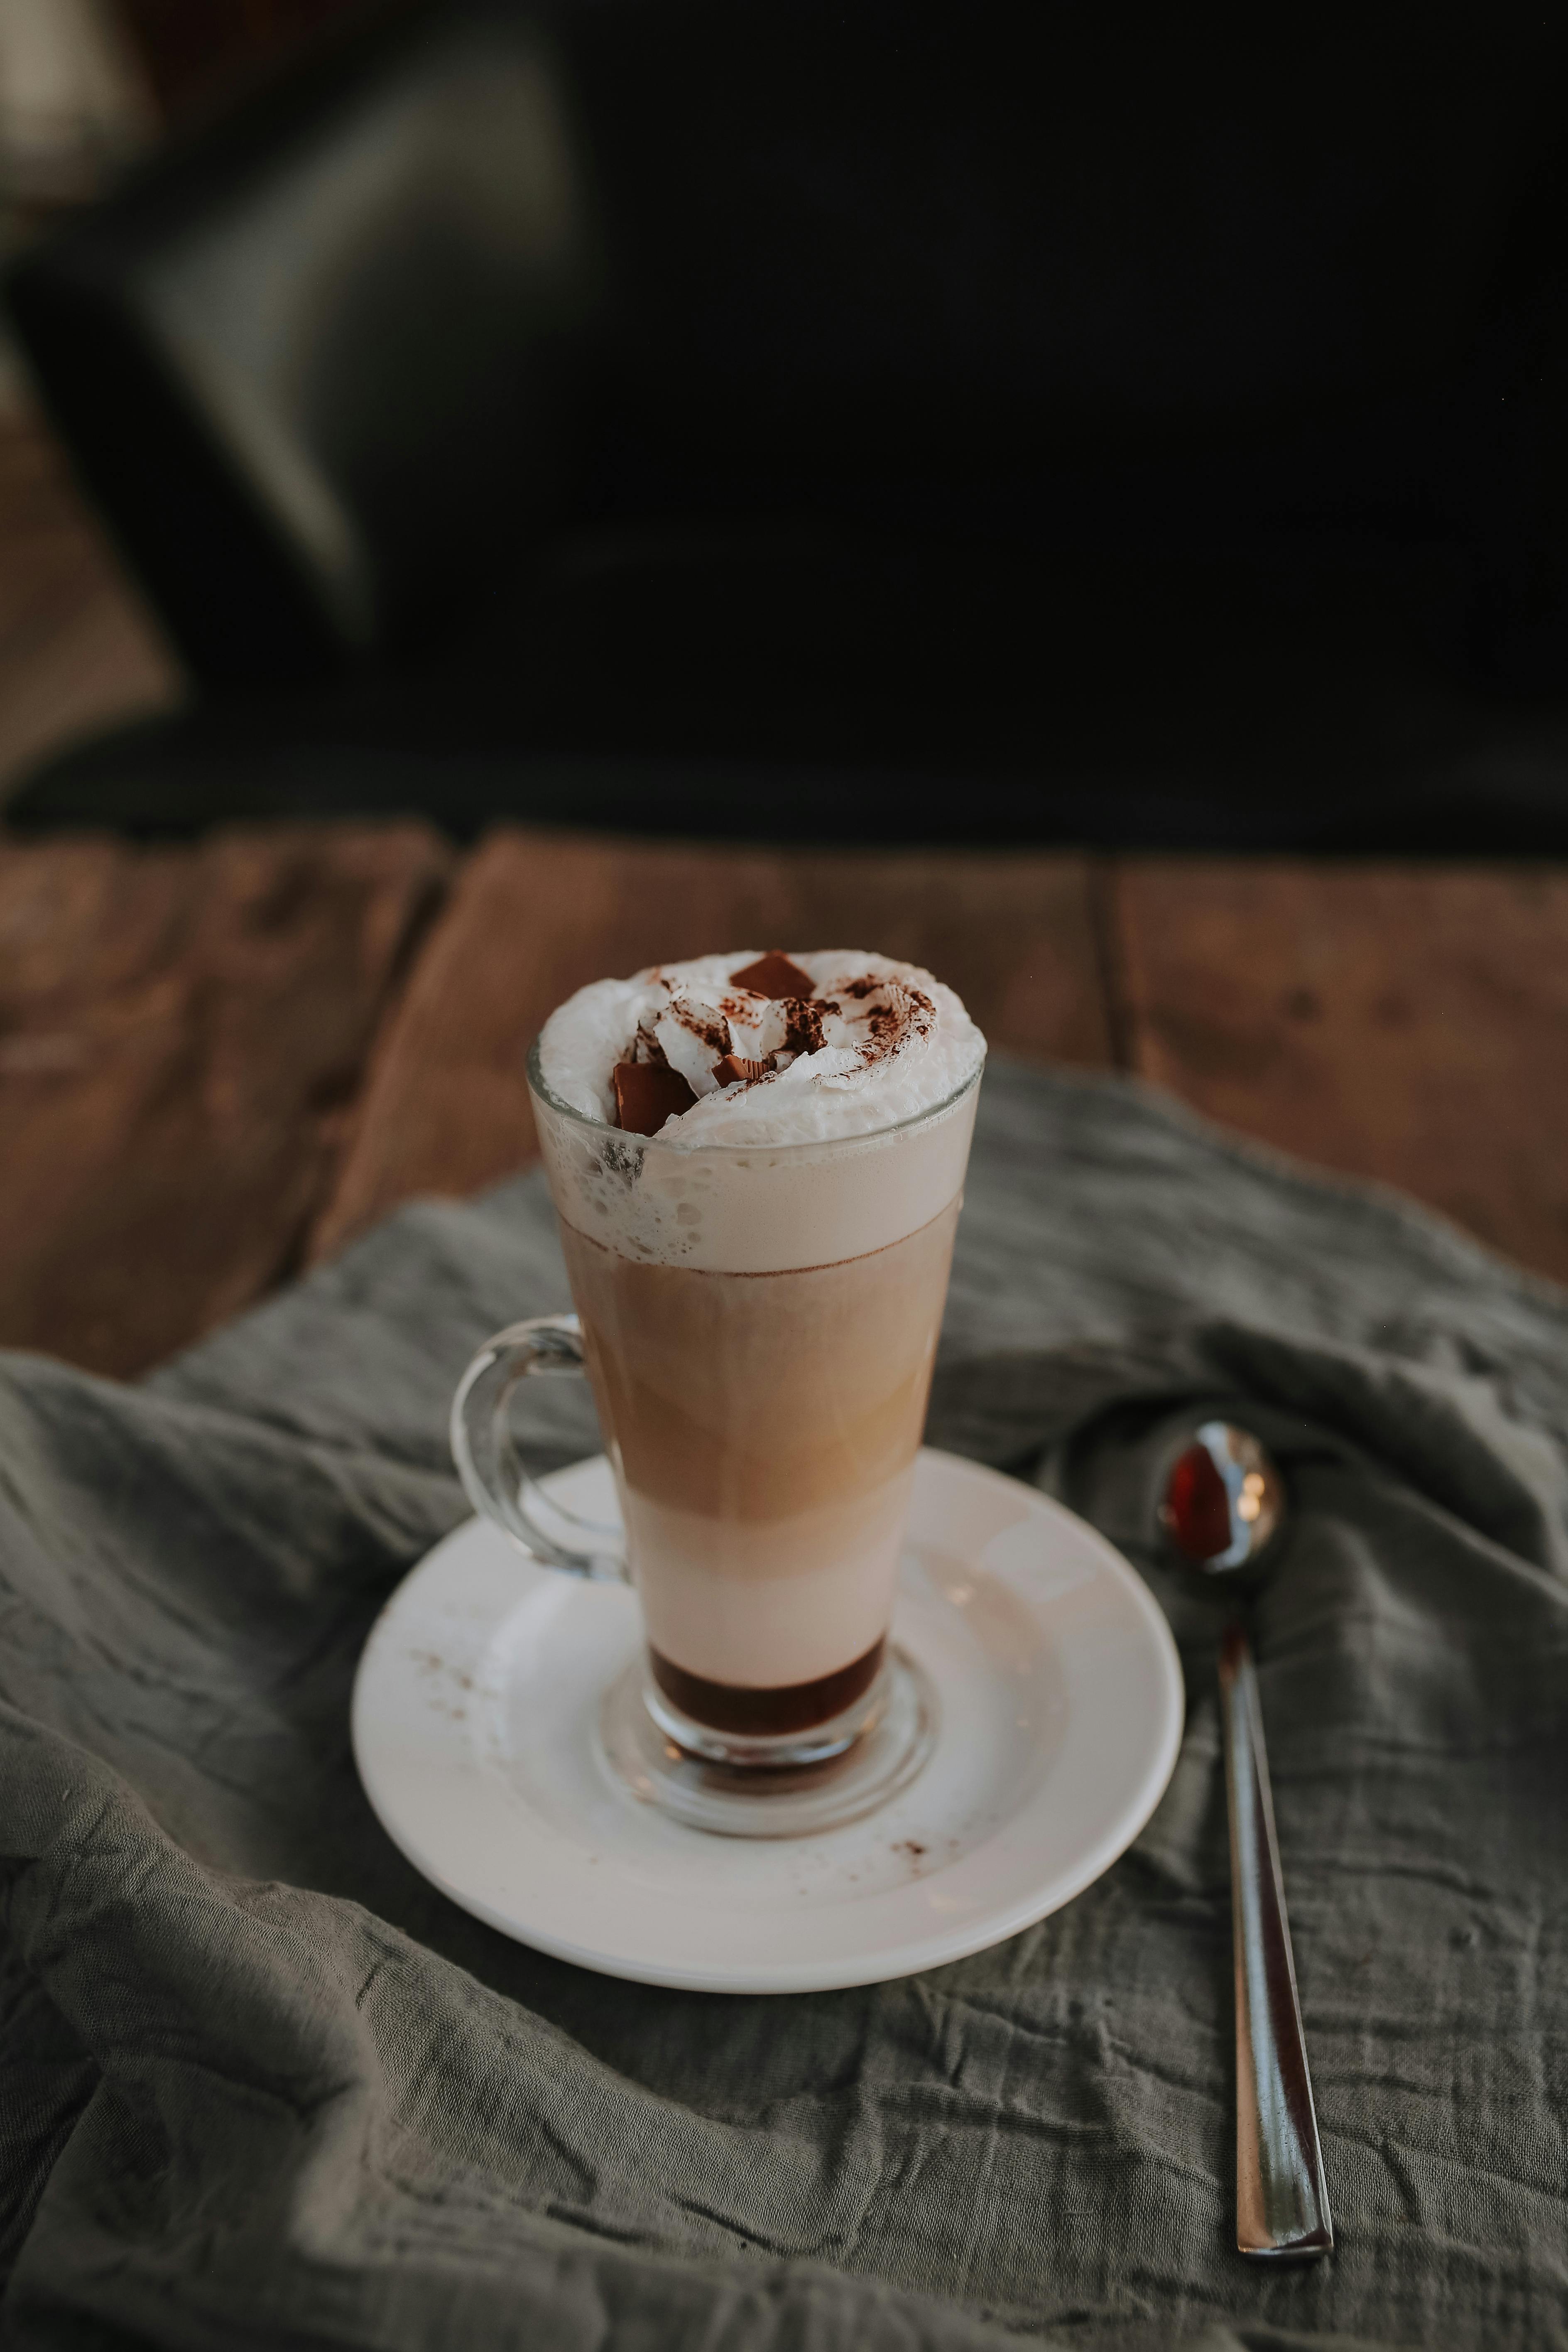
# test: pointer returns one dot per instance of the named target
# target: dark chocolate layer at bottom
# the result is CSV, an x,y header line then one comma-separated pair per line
x,y
759,1713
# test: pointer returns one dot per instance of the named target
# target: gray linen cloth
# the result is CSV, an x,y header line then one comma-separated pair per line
x,y
262,2085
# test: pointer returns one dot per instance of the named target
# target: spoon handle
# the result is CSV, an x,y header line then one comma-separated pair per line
x,y
1281,2199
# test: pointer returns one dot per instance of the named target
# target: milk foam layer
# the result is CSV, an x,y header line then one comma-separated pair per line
x,y
827,1172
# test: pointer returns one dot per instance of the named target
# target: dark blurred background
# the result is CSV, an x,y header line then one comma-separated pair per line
x,y
87,91
1085,425
196,52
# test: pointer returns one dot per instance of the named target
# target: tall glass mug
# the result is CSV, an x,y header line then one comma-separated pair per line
x,y
759,1324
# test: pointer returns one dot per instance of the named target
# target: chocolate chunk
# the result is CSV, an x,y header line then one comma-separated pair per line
x,y
735,1065
773,975
646,1094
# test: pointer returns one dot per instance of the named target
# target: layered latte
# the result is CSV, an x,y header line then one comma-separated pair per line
x,y
758,1162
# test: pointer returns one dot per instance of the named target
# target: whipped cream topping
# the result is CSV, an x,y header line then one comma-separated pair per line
x,y
874,1043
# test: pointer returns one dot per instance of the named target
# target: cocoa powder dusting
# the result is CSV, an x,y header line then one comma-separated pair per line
x,y
715,1034
803,1024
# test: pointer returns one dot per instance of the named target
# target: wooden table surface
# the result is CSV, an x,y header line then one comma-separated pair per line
x,y
220,1063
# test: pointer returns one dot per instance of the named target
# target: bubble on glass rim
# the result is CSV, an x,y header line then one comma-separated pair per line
x,y
899,1042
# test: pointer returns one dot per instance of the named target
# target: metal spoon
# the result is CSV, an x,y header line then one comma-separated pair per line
x,y
1224,1502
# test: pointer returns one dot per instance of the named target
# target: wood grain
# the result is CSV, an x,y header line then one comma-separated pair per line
x,y
1401,1022
182,1032
79,648
535,916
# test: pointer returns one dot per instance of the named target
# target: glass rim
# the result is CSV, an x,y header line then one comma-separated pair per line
x,y
538,1086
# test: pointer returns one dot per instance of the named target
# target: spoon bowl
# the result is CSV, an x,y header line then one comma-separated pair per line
x,y
1224,1500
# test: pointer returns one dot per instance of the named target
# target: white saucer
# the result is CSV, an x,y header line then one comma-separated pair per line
x,y
1060,1695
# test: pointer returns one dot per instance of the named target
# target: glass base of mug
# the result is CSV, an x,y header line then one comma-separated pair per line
x,y
795,1785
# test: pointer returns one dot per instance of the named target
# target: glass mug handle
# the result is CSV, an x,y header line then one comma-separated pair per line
x,y
550,1346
